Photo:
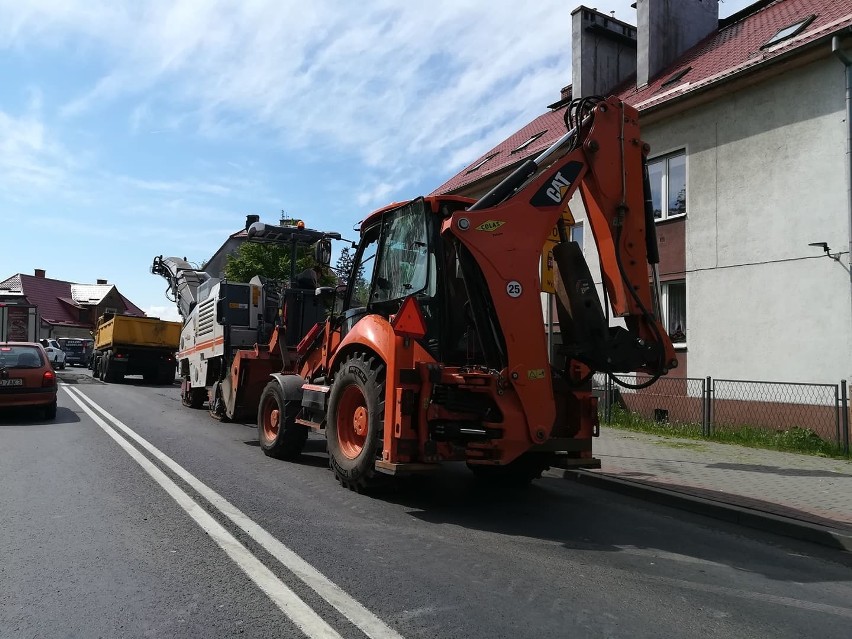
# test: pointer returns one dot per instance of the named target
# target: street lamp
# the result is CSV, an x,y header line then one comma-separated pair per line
x,y
825,247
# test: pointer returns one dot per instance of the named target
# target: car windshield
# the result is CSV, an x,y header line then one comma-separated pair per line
x,y
20,357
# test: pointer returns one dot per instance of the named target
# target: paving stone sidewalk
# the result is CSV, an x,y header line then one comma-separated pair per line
x,y
813,489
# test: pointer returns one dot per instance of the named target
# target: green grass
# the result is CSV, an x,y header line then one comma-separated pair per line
x,y
794,440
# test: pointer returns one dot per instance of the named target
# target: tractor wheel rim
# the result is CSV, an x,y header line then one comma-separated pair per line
x,y
271,420
352,422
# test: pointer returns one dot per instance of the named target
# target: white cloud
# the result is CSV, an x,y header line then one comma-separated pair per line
x,y
399,83
167,313
411,87
29,158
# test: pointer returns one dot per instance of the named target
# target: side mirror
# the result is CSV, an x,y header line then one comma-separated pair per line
x,y
322,252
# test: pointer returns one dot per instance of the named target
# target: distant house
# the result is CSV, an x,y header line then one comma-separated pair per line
x,y
215,266
747,123
65,309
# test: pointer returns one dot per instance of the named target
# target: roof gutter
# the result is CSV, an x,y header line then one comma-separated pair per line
x,y
847,62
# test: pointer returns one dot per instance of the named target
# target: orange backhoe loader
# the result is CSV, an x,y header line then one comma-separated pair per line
x,y
438,349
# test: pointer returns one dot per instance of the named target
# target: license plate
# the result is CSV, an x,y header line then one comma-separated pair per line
x,y
11,382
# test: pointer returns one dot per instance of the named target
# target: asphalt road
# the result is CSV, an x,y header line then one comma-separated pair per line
x,y
153,520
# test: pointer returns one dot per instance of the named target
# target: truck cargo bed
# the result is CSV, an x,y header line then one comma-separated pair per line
x,y
138,331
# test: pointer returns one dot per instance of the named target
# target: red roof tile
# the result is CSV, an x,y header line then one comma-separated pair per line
x,y
54,300
737,46
734,48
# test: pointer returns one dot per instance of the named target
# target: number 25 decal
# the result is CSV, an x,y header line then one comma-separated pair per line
x,y
514,289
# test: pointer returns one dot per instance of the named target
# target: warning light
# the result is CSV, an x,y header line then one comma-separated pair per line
x,y
300,224
409,321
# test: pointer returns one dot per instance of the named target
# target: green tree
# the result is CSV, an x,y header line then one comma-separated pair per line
x,y
344,264
271,261
344,267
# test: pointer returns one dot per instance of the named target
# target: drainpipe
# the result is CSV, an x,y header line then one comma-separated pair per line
x,y
847,62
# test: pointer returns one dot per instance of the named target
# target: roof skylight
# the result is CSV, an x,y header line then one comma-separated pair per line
x,y
531,139
676,76
789,32
481,162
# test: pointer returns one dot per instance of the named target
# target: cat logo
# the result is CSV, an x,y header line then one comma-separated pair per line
x,y
490,225
535,373
556,190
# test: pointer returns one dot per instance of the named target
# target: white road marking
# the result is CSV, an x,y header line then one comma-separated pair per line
x,y
353,610
288,601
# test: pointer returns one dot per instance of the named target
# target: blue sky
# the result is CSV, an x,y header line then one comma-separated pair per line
x,y
134,129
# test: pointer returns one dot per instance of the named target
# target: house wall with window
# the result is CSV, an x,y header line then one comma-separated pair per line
x,y
765,175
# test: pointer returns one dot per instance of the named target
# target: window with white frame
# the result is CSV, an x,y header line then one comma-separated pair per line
x,y
576,234
668,185
674,310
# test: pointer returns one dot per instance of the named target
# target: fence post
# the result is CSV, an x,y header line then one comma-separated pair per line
x,y
608,399
710,415
844,414
705,425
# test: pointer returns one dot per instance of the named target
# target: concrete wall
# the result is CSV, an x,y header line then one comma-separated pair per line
x,y
667,28
603,52
766,176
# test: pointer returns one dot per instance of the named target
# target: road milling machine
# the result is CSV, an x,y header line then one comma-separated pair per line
x,y
437,349
230,324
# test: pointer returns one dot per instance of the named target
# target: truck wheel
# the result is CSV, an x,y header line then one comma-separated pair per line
x,y
110,374
194,397
355,425
279,434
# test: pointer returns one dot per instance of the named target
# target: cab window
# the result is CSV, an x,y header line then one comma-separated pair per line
x,y
403,262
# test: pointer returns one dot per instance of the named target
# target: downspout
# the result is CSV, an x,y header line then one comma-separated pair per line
x,y
847,62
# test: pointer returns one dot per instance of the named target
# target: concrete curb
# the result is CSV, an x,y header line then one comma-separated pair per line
x,y
752,518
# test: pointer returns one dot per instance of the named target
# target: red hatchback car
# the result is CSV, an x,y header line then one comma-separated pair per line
x,y
27,378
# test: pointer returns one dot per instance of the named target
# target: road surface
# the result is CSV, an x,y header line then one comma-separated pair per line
x,y
133,516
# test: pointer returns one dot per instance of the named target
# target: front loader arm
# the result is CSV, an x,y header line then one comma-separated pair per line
x,y
507,228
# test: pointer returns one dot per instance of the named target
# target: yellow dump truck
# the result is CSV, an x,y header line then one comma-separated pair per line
x,y
129,345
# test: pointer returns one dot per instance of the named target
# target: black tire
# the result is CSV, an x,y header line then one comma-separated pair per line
x,y
102,362
110,374
50,411
279,434
194,398
518,473
355,424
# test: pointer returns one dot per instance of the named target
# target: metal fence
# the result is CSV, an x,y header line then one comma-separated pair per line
x,y
713,405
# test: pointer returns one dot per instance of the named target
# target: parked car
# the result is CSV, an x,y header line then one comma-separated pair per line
x,y
27,377
54,351
77,350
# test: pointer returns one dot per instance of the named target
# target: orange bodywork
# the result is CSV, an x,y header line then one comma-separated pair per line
x,y
526,409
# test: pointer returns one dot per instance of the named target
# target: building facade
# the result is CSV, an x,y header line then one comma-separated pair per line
x,y
746,120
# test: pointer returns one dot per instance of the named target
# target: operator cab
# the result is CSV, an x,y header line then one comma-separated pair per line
x,y
402,253
302,306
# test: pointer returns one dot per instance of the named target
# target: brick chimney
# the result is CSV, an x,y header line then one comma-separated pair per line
x,y
603,52
40,272
667,28
102,281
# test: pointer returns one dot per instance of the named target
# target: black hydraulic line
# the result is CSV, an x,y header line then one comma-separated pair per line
x,y
651,246
506,187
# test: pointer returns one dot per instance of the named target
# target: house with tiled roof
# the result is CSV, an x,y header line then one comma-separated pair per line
x,y
749,132
63,309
